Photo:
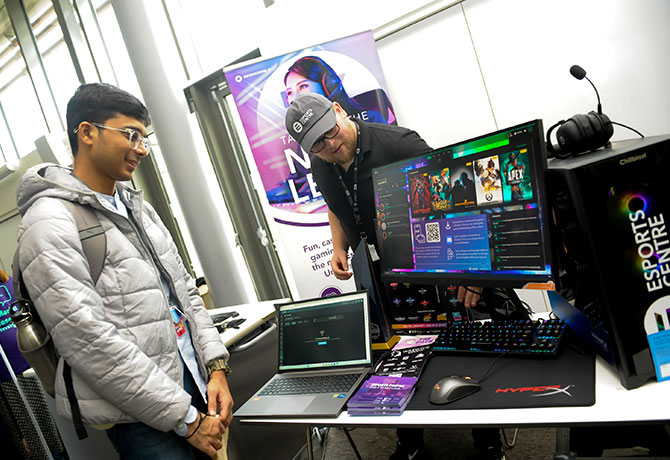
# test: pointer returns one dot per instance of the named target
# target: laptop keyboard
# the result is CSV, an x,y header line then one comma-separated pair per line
x,y
338,383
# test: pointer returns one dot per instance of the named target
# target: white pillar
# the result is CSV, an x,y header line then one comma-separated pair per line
x,y
169,114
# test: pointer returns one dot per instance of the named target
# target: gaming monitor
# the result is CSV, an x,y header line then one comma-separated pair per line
x,y
470,213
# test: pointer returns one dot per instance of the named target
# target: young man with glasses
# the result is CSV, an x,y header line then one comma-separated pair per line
x,y
344,151
144,354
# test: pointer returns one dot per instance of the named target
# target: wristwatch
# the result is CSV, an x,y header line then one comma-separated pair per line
x,y
191,417
218,365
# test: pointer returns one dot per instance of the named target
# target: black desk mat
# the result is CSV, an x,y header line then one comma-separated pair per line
x,y
513,382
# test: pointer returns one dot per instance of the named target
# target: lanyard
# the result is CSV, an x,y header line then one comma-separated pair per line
x,y
353,197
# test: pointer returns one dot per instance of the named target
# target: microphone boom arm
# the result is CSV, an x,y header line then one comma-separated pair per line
x,y
600,109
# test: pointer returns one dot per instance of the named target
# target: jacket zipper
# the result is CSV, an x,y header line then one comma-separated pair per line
x,y
161,271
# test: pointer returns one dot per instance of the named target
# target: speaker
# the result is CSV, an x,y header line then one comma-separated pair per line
x,y
581,133
609,232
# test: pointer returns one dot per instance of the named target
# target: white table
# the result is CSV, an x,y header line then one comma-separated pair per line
x,y
255,314
614,404
648,403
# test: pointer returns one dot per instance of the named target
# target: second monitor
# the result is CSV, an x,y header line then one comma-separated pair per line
x,y
470,213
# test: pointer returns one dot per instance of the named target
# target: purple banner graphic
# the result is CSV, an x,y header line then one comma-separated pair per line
x,y
346,71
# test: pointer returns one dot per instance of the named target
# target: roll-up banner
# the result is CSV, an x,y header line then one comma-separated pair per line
x,y
346,71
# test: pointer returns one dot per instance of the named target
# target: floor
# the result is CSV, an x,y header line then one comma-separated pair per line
x,y
441,444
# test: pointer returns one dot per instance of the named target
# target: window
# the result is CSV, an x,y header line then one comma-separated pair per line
x,y
22,120
54,52
116,48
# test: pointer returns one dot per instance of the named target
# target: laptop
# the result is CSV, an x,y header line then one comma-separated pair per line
x,y
324,354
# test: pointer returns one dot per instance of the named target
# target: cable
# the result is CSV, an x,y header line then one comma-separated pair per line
x,y
491,366
324,443
624,126
528,308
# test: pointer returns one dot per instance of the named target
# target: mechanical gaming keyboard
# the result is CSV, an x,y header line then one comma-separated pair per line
x,y
515,337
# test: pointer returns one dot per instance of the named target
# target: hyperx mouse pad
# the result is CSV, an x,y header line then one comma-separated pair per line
x,y
514,382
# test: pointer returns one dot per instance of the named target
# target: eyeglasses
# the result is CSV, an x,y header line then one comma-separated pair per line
x,y
134,137
321,142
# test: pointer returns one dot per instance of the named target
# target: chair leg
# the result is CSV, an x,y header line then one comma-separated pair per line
x,y
310,452
563,445
353,444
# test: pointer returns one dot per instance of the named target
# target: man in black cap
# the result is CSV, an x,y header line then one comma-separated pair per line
x,y
344,152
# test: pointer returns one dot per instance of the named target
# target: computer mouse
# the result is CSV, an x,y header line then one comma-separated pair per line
x,y
452,388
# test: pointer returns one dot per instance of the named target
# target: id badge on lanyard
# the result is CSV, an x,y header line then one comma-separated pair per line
x,y
353,200
178,322
373,252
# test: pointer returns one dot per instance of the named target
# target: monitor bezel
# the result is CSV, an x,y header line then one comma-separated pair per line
x,y
492,279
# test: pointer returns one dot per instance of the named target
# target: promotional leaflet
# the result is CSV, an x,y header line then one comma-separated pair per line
x,y
405,362
384,410
382,394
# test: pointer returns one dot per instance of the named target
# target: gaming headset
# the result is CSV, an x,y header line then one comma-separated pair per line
x,y
331,85
581,133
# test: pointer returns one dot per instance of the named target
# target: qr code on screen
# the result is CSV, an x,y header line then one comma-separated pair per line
x,y
433,232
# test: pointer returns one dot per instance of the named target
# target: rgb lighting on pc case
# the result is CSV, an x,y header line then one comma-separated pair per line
x,y
613,252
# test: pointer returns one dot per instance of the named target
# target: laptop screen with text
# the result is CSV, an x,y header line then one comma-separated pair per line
x,y
326,332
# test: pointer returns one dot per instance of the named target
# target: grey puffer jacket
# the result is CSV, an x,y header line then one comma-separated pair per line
x,y
117,336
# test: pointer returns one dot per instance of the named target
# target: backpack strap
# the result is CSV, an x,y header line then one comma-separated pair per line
x,y
94,245
17,279
92,236
93,242
74,405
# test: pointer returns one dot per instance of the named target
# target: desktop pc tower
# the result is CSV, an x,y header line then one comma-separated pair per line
x,y
611,238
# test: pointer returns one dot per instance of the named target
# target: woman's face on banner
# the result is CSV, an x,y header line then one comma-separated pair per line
x,y
296,85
